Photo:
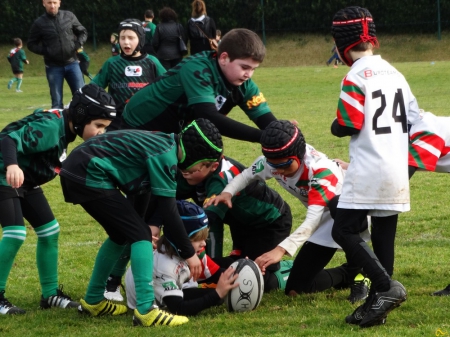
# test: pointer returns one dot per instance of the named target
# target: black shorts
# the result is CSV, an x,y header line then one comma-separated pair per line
x,y
78,193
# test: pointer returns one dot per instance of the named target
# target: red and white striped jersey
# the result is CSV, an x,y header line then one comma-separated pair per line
x,y
376,100
430,143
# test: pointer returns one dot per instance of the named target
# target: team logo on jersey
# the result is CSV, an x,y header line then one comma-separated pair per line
x,y
256,100
169,286
133,71
258,167
220,101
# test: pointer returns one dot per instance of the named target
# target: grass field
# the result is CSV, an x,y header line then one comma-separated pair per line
x,y
309,94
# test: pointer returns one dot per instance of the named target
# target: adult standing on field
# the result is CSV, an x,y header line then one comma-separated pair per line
x,y
200,28
57,35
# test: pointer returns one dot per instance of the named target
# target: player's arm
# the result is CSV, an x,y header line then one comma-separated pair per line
x,y
80,32
102,77
34,42
14,175
263,121
227,126
342,131
198,299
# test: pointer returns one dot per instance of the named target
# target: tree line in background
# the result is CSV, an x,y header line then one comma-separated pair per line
x,y
101,17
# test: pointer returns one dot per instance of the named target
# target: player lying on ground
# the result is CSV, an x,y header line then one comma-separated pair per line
x,y
174,288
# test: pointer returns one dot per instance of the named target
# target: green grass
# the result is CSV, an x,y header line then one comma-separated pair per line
x,y
308,94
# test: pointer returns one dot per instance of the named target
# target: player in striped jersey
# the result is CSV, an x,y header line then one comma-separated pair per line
x,y
171,278
133,69
315,180
374,108
32,150
134,162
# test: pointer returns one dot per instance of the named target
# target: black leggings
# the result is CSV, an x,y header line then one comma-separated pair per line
x,y
308,274
33,207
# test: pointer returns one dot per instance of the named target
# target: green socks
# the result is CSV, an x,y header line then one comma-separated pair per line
x,y
142,268
13,238
106,259
47,257
282,274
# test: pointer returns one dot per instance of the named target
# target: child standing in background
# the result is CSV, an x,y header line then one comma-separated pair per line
x,y
17,58
218,36
115,47
83,59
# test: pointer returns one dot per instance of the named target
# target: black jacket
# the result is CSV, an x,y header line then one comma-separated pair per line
x,y
166,41
197,40
57,38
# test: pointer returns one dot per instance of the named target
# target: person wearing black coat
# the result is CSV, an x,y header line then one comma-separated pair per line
x,y
57,35
200,28
166,41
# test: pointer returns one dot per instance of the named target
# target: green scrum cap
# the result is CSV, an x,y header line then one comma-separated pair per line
x,y
200,141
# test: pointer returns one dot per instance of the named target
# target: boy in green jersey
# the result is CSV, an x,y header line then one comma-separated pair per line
x,y
17,58
32,150
206,85
149,28
135,162
125,75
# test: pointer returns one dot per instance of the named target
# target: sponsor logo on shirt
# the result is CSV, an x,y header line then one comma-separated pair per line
x,y
258,167
367,73
220,101
133,71
256,100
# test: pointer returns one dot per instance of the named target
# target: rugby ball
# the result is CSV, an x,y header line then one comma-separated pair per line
x,y
248,294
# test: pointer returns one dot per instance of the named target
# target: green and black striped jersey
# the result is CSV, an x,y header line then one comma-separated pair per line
x,y
166,104
124,76
134,161
41,140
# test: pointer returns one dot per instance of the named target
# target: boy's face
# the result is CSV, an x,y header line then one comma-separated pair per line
x,y
198,245
199,172
128,41
112,39
238,71
287,166
95,127
51,6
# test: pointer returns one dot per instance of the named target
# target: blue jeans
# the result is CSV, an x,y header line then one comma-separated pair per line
x,y
55,78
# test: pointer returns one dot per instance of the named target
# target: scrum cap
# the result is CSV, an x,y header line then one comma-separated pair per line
x,y
281,139
200,141
136,26
351,26
88,103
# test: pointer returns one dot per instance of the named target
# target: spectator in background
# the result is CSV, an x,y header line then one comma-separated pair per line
x,y
149,28
57,35
115,46
218,36
200,28
166,39
17,58
334,57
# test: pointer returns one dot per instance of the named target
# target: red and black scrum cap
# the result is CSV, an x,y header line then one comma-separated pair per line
x,y
352,26
281,139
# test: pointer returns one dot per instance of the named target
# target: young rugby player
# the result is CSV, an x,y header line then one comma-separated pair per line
x,y
206,85
124,76
32,150
96,174
171,272
374,109
17,58
314,179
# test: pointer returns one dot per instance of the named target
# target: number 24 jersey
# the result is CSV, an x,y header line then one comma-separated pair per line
x,y
376,100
